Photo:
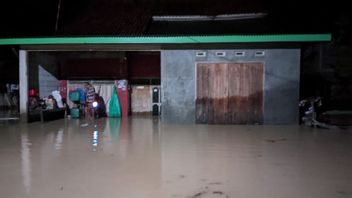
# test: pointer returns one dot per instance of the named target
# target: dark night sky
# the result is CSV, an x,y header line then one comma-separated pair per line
x,y
37,17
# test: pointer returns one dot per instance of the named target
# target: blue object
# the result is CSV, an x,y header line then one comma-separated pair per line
x,y
82,95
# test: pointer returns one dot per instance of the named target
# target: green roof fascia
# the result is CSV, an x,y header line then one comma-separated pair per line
x,y
168,39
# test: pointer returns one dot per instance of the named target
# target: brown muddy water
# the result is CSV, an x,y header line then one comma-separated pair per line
x,y
142,158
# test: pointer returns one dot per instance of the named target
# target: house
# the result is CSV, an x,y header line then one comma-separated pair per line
x,y
211,69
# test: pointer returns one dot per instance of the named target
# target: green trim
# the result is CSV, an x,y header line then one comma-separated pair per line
x,y
168,39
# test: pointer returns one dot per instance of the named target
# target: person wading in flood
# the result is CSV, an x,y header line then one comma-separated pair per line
x,y
90,95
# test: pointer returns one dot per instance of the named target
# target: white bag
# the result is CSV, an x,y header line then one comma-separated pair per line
x,y
58,98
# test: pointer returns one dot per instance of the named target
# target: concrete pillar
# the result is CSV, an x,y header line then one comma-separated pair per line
x,y
23,88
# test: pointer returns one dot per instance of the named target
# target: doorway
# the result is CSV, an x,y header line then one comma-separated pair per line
x,y
229,93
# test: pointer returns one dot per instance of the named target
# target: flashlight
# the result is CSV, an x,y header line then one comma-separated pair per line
x,y
95,104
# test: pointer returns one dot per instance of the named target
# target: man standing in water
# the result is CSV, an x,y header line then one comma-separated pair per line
x,y
90,94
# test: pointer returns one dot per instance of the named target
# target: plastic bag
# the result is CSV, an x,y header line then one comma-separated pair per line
x,y
58,98
114,105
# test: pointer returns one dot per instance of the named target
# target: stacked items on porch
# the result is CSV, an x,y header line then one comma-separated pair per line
x,y
78,98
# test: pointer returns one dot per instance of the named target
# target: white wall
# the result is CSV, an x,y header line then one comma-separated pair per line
x,y
47,82
23,56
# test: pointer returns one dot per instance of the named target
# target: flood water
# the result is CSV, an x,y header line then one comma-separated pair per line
x,y
141,158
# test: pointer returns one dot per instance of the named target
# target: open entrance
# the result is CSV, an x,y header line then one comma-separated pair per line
x,y
130,71
229,93
145,83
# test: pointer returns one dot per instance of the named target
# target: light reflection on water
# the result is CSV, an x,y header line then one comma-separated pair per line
x,y
95,141
25,161
59,139
115,125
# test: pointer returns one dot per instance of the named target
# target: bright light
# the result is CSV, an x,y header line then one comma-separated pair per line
x,y
95,104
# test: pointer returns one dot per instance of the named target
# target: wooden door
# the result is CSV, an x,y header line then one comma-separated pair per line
x,y
245,93
141,100
202,101
229,93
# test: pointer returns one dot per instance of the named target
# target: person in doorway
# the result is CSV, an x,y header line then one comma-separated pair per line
x,y
67,107
90,96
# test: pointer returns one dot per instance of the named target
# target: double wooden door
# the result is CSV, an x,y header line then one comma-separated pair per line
x,y
229,93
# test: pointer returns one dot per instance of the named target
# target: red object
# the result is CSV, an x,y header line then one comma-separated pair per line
x,y
33,93
122,92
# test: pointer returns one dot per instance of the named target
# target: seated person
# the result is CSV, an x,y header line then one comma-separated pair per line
x,y
51,103
34,103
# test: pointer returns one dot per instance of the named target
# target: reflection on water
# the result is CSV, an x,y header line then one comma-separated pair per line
x,y
26,163
140,157
115,125
95,141
59,139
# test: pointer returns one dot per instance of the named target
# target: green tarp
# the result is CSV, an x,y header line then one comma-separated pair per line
x,y
114,105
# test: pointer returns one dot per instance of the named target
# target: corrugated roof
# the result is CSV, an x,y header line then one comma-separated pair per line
x,y
220,17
